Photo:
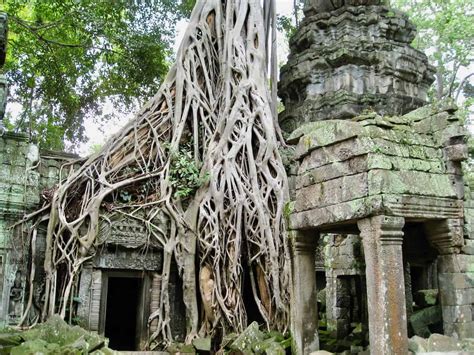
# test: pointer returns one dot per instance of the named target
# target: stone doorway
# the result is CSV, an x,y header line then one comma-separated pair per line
x,y
123,303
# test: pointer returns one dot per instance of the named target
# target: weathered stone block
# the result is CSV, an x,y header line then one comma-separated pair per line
x,y
468,247
336,152
410,182
323,133
456,280
346,211
331,192
459,330
440,343
422,319
452,131
424,298
417,344
456,152
456,264
451,296
331,171
457,314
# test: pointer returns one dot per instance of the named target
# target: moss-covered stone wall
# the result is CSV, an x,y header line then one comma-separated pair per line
x,y
24,173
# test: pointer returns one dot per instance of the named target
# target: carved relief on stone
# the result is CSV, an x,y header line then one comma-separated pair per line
x,y
351,59
15,302
129,259
120,229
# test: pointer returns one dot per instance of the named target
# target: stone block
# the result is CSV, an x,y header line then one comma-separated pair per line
x,y
331,171
410,182
457,280
425,298
417,344
405,137
459,330
468,247
438,342
346,211
450,296
319,134
32,153
422,319
335,191
457,314
456,152
456,263
444,136
468,344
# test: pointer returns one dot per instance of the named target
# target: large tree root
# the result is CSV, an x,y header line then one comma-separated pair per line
x,y
213,110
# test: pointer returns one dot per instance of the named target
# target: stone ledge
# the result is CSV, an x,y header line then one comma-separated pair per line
x,y
408,206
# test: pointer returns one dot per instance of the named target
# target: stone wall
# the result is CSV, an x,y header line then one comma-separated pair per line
x,y
25,172
19,193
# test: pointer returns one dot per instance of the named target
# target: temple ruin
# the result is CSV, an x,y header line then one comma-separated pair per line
x,y
380,216
374,165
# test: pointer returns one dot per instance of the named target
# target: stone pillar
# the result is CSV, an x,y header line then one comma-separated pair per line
x,y
455,277
456,289
382,237
304,307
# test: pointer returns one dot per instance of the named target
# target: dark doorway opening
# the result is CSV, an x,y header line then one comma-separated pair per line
x,y
123,295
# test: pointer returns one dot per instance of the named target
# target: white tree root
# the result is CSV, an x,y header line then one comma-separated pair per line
x,y
215,101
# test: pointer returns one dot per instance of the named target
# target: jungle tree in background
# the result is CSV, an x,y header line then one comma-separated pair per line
x,y
67,57
446,35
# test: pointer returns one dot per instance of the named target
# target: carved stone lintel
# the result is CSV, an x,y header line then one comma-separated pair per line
x,y
382,237
446,235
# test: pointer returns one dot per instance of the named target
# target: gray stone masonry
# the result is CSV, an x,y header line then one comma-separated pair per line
x,y
25,172
368,154
373,165
304,311
347,58
382,237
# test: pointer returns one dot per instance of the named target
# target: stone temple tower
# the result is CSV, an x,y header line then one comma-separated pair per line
x,y
372,160
346,58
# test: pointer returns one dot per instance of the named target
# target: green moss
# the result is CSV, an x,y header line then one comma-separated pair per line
x,y
288,209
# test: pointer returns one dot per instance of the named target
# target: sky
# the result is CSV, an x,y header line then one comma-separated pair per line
x,y
98,133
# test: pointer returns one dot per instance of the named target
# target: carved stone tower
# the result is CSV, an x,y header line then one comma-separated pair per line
x,y
346,58
369,160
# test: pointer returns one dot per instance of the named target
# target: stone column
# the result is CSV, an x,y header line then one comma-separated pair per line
x,y
382,237
455,277
304,307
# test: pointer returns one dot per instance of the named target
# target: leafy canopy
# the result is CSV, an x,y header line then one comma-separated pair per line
x,y
66,58
446,34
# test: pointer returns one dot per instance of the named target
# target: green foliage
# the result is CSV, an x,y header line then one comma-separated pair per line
x,y
185,173
66,58
286,25
52,337
446,34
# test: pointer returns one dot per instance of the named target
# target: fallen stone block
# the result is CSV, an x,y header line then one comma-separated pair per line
x,y
425,298
438,342
422,319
